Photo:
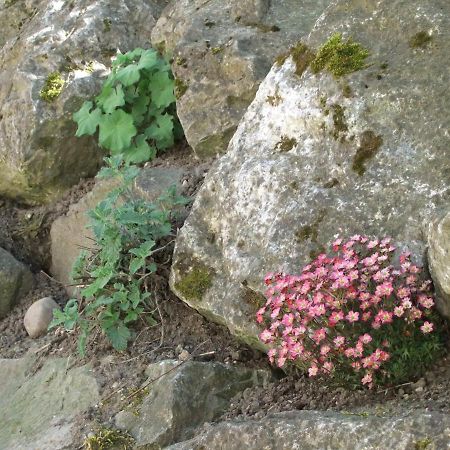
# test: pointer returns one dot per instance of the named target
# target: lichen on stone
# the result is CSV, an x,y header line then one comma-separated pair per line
x,y
420,40
340,125
194,283
369,147
53,87
301,55
107,25
109,439
285,144
340,57
275,99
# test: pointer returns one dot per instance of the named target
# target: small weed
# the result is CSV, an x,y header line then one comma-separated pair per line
x,y
109,439
52,88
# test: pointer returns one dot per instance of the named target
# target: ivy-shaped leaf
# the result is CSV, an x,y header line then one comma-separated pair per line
x,y
114,100
119,335
128,75
116,131
87,120
162,89
161,130
140,152
149,60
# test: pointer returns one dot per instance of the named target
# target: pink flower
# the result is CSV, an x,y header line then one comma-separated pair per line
x,y
339,341
313,370
427,327
352,316
365,338
266,336
319,335
372,244
288,320
367,379
281,361
399,311
325,349
384,289
328,366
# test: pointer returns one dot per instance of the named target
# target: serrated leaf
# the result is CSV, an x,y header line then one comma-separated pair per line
x,y
87,120
144,249
161,131
131,316
140,152
119,336
128,75
116,131
136,264
140,106
162,89
102,275
115,99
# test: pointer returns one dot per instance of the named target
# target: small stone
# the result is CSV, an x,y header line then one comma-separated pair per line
x,y
38,316
419,389
184,355
420,383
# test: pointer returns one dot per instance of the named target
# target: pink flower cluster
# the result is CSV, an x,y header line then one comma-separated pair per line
x,y
341,310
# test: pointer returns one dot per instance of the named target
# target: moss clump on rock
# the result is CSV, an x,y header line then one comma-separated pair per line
x,y
420,40
195,282
370,145
301,55
109,439
340,125
340,57
53,87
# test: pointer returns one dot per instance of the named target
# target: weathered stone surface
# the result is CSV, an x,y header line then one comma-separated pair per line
x,y
69,234
311,430
39,153
183,399
15,281
315,156
39,315
37,411
222,51
439,261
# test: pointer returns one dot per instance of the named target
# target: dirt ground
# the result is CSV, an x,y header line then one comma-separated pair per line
x,y
25,233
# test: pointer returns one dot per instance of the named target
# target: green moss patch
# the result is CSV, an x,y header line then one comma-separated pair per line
x,y
340,57
420,40
53,87
109,439
195,282
370,145
301,56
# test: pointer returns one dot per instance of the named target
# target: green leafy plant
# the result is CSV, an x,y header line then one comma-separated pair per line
x,y
114,276
135,111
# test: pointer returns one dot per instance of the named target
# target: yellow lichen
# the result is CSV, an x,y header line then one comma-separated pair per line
x,y
52,88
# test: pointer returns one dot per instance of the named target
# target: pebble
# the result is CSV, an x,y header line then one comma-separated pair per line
x,y
38,316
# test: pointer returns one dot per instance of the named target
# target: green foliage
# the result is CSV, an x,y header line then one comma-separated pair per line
x,y
109,439
340,57
135,111
52,88
115,276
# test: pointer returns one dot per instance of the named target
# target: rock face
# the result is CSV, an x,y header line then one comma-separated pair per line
x,y
317,155
222,51
60,48
439,261
311,430
183,399
38,316
69,234
37,411
15,281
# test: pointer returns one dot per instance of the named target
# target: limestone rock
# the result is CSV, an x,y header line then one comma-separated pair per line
x,y
15,281
38,411
183,399
439,261
222,51
69,234
313,430
316,156
39,315
69,44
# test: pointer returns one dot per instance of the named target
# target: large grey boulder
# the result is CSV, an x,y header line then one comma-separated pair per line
x,y
222,51
313,430
184,398
15,281
37,410
56,60
316,155
439,260
69,234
